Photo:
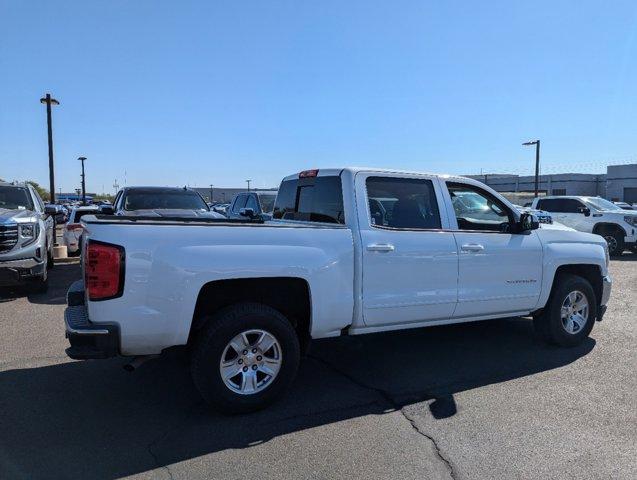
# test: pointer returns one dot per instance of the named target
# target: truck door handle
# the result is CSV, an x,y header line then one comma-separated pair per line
x,y
380,247
472,247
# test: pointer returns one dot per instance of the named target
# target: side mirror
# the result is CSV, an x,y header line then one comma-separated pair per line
x,y
51,209
106,210
585,210
247,212
528,221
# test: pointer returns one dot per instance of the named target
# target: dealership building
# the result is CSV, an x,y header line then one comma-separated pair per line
x,y
619,183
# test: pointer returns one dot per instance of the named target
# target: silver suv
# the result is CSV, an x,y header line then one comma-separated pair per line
x,y
26,236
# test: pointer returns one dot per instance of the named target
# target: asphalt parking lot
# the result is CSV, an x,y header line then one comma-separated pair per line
x,y
483,400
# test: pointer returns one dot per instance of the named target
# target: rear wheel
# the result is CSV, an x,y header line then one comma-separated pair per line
x,y
570,312
245,357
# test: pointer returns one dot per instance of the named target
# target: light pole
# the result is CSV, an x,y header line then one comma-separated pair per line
x,y
211,192
81,159
248,181
537,163
49,125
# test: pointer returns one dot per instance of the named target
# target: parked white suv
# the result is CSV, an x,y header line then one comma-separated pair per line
x,y
594,215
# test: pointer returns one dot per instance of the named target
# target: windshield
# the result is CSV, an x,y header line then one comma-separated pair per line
x,y
15,198
601,204
267,202
164,199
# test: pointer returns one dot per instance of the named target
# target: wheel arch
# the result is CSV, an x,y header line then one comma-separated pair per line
x,y
601,227
289,295
590,272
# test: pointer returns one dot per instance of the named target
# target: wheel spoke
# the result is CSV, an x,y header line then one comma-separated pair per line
x,y
569,324
238,344
248,382
270,368
229,370
265,342
579,320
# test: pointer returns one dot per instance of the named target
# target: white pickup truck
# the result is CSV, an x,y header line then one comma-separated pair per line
x,y
594,215
349,251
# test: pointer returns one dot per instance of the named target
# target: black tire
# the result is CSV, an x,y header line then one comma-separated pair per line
x,y
40,284
49,259
549,325
615,241
212,340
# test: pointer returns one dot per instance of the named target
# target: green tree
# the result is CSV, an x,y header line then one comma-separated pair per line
x,y
43,192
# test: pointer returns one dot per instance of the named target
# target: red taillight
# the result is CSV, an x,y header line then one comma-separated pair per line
x,y
74,226
308,173
103,270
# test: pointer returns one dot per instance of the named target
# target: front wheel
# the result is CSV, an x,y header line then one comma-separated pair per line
x,y
570,312
245,357
615,242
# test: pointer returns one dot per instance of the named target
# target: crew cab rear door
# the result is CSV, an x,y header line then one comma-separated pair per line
x,y
500,270
409,257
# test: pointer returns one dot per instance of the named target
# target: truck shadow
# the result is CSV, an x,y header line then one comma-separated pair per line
x,y
94,420
60,279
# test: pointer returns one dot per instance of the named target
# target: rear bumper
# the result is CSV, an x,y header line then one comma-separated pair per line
x,y
88,340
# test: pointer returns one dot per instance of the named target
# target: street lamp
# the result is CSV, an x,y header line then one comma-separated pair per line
x,y
81,159
50,101
248,184
211,192
537,162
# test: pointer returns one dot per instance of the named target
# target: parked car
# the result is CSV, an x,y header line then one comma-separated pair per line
x,y
159,202
594,215
349,252
73,230
26,236
625,206
252,204
61,214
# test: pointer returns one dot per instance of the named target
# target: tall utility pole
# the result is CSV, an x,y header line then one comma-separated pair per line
x,y
81,159
211,193
50,101
248,184
537,163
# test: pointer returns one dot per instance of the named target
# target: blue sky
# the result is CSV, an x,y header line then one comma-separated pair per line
x,y
176,93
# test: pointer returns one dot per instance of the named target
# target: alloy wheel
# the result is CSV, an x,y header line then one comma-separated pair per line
x,y
250,362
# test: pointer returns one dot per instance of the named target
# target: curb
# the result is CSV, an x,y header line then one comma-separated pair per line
x,y
68,260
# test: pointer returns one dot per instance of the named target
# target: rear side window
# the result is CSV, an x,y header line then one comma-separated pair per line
x,y
563,205
403,203
80,213
314,199
239,203
252,203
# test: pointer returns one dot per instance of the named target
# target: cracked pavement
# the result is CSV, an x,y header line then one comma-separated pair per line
x,y
482,400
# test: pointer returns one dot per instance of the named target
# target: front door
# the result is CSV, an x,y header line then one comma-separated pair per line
x,y
409,263
499,271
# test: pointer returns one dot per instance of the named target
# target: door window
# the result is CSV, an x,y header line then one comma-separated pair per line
x,y
252,203
477,209
402,203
